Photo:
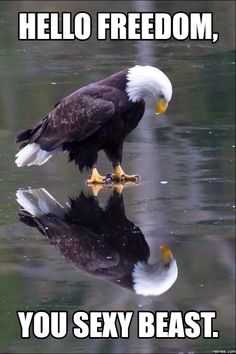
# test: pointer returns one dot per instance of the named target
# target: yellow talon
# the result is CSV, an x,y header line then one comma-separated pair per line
x,y
96,178
120,175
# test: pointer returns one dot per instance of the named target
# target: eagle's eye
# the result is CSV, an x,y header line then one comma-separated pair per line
x,y
161,96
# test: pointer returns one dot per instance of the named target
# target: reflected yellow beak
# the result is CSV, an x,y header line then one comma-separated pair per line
x,y
161,106
166,253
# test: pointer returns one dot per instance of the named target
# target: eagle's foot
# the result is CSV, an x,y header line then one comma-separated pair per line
x,y
120,176
126,178
131,178
96,178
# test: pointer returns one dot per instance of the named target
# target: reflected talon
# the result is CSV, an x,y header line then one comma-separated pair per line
x,y
110,184
96,187
118,187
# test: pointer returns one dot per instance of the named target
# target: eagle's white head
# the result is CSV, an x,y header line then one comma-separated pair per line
x,y
148,81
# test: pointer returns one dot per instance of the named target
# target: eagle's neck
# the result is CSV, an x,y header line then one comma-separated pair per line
x,y
118,80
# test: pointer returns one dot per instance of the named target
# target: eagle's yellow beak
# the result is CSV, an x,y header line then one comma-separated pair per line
x,y
166,253
161,106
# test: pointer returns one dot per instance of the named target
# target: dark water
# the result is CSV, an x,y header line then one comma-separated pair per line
x,y
185,199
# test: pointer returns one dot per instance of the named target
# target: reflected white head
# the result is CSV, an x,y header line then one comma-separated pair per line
x,y
155,279
148,81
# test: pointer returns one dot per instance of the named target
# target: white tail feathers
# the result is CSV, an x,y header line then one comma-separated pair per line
x,y
38,202
32,154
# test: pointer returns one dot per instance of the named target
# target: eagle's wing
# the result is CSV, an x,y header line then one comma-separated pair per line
x,y
76,117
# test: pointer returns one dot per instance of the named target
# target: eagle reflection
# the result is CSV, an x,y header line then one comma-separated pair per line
x,y
100,242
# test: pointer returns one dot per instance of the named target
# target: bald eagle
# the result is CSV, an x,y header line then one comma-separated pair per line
x,y
96,117
100,242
